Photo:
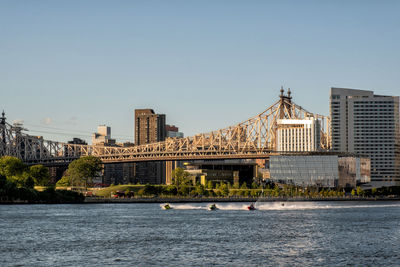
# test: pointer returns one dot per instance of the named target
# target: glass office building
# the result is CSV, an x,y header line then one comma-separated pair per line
x,y
320,170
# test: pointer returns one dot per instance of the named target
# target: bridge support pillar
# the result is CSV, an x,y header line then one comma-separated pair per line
x,y
169,167
168,172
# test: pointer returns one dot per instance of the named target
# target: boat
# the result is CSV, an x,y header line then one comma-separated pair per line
x,y
251,207
167,206
212,207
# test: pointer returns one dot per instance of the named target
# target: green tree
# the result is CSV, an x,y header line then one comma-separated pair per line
x,y
353,192
64,181
39,174
223,188
200,190
210,185
180,178
359,191
11,166
244,186
254,185
83,170
373,191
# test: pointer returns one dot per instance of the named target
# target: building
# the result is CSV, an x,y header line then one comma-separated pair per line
x,y
368,124
298,135
228,170
320,170
149,127
103,136
172,131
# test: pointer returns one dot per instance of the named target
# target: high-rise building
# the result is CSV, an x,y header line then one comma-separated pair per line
x,y
368,124
172,131
149,127
298,135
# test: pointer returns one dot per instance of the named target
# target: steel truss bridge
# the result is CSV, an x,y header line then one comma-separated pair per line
x,y
253,138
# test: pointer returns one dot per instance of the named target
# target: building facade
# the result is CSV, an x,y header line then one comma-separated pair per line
x,y
298,135
103,136
149,127
368,124
320,170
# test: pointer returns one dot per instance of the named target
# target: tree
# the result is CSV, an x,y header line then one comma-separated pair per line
x,y
373,191
11,166
254,185
210,185
353,192
39,174
180,177
223,188
244,186
359,191
199,189
64,181
82,171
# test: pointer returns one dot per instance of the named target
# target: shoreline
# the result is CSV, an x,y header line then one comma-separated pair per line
x,y
95,200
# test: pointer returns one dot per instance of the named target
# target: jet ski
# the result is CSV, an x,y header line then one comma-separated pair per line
x,y
251,207
167,206
212,207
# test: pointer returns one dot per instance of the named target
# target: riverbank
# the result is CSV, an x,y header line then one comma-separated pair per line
x,y
228,199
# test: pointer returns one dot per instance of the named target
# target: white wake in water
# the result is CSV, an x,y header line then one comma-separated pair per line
x,y
278,206
315,206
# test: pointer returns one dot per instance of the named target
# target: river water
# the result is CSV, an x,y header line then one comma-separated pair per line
x,y
296,234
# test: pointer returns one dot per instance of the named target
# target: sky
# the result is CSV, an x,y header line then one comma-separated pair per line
x,y
68,66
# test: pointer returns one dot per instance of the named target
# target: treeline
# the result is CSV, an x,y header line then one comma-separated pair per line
x,y
223,190
17,182
227,190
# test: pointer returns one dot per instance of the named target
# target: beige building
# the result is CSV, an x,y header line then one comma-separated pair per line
x,y
102,136
298,135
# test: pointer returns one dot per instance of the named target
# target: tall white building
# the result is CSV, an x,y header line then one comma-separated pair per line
x,y
298,135
368,124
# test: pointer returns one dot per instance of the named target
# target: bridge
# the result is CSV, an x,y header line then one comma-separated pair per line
x,y
253,138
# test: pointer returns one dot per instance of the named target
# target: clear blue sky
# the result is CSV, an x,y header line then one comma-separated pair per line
x,y
73,65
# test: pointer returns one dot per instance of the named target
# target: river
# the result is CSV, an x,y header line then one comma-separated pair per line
x,y
295,234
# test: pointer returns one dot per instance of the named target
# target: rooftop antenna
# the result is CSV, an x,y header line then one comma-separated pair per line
x,y
3,118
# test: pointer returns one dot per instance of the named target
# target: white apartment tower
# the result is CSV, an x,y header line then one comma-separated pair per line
x,y
368,124
298,135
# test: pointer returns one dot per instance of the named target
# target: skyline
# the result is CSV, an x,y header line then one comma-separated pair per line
x,y
209,64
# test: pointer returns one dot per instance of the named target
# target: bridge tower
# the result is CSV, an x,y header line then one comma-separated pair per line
x,y
285,104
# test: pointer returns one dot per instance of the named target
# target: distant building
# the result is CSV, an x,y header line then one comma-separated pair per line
x,y
77,141
172,131
368,124
103,136
149,127
298,135
320,170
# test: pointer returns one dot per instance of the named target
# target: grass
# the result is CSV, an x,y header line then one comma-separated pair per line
x,y
106,192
